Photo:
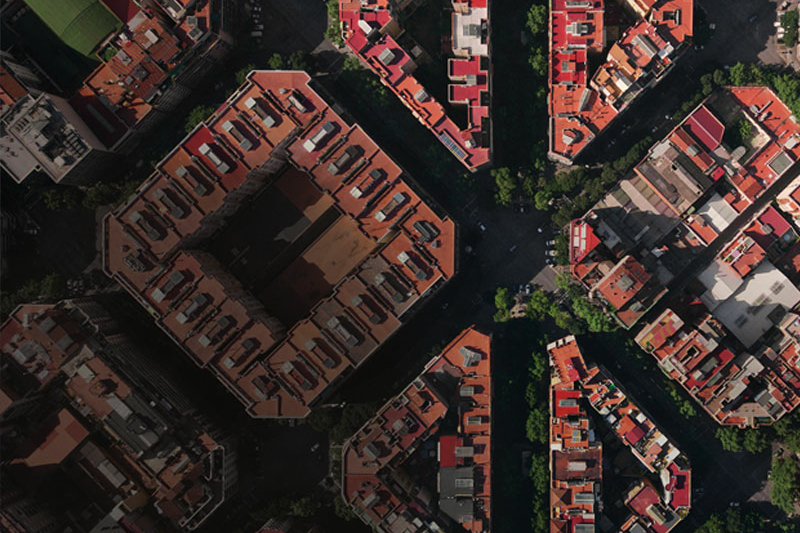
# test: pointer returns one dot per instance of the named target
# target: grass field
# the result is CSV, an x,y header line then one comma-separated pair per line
x,y
81,24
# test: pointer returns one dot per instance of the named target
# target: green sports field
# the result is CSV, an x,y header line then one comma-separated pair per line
x,y
81,24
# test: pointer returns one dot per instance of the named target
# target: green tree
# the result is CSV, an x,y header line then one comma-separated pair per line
x,y
539,305
531,394
304,507
506,184
594,188
537,19
53,287
503,303
301,60
540,517
784,474
707,83
595,318
334,31
241,74
720,78
788,89
342,510
609,174
62,197
730,438
196,116
528,183
537,425
101,193
755,440
565,214
745,128
789,23
275,62
539,473
538,367
541,199
353,417
538,61
738,74
323,419
52,199
714,524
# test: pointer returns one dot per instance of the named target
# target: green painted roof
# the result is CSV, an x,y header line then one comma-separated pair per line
x,y
80,24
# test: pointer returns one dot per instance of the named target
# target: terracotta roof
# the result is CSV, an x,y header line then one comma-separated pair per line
x,y
370,455
357,245
368,29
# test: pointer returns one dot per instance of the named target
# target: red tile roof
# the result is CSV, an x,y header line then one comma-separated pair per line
x,y
579,108
380,249
623,282
582,240
53,442
381,445
706,127
10,90
124,10
576,461
368,29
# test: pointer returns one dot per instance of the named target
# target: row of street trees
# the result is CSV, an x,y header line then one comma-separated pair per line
x,y
537,428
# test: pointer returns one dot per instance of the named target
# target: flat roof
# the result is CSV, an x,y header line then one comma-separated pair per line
x,y
750,311
368,457
356,249
369,29
580,108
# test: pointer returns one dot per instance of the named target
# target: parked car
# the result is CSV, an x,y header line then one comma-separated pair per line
x,y
551,253
550,243
527,289
481,226
513,248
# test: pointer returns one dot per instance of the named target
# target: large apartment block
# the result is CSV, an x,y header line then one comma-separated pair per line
x,y
576,452
449,407
109,421
584,99
371,30
334,248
